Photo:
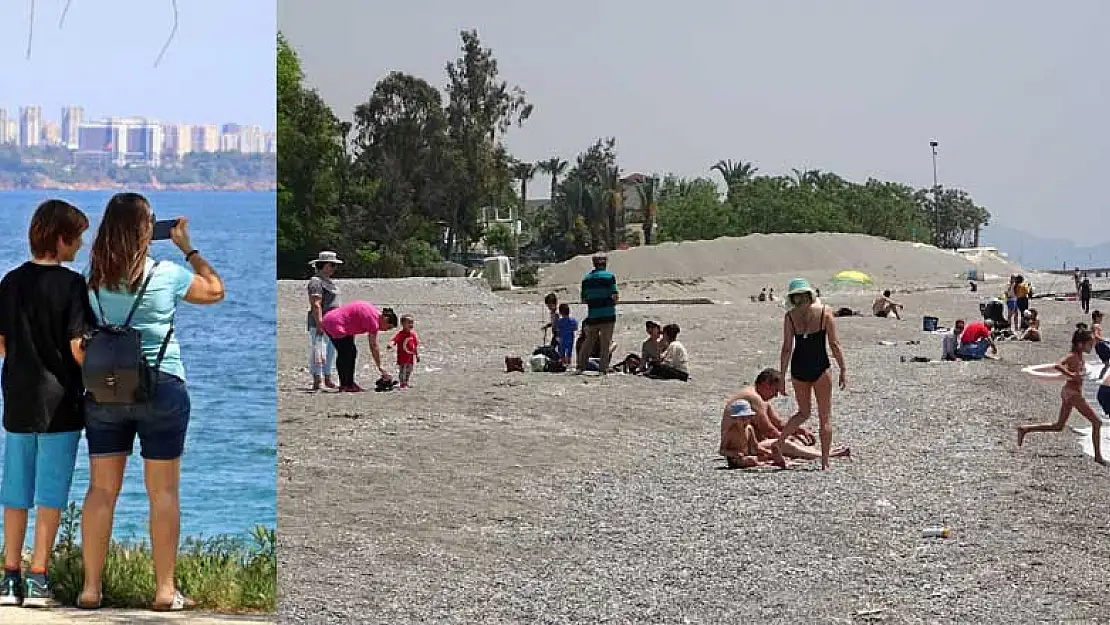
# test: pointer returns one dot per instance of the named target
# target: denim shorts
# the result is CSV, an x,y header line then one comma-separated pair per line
x,y
38,469
160,424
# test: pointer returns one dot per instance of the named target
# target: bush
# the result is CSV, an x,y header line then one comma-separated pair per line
x,y
527,275
224,573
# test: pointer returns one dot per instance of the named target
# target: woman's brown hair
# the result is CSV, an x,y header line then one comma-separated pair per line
x,y
118,256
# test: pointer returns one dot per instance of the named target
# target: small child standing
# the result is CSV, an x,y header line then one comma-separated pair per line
x,y
408,346
44,315
552,302
1074,369
565,327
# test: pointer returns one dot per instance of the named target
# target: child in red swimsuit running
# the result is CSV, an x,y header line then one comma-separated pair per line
x,y
408,345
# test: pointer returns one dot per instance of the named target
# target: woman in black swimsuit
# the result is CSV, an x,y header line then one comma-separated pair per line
x,y
807,331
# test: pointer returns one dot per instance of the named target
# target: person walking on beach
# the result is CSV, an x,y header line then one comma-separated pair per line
x,y
1085,294
408,350
323,297
1074,369
343,324
808,331
1102,346
599,293
126,286
44,315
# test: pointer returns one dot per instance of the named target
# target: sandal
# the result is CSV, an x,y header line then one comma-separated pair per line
x,y
180,603
83,604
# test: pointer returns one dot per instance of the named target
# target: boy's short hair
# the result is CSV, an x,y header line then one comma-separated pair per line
x,y
652,325
564,309
55,219
768,375
671,331
550,299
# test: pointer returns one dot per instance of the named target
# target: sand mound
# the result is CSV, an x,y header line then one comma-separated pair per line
x,y
817,256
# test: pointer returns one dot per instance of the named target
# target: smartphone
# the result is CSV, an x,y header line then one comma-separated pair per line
x,y
162,229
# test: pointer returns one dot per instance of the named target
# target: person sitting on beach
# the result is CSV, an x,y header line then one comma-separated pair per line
x,y
674,361
1102,347
345,323
1032,331
883,306
763,295
1074,369
951,342
750,426
975,340
44,314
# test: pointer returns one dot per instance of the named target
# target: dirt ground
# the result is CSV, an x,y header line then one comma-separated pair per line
x,y
19,616
484,497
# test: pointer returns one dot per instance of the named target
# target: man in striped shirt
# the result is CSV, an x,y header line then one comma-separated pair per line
x,y
599,293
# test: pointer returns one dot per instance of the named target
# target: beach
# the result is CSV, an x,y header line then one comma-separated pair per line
x,y
485,497
121,617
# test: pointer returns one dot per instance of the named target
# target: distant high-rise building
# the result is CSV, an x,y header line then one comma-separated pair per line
x,y
206,138
271,143
252,140
123,140
177,141
51,133
4,136
30,126
9,130
72,118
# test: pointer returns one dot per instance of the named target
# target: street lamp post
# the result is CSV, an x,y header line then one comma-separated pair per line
x,y
936,198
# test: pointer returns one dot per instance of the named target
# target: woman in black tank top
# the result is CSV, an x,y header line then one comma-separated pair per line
x,y
808,332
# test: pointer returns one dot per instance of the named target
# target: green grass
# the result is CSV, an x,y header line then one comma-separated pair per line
x,y
223,574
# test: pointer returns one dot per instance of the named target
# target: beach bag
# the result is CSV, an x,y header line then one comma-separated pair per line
x,y
514,364
115,371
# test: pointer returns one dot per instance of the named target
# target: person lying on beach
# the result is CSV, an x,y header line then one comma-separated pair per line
x,y
750,427
883,306
1102,347
1074,369
1032,331
976,340
952,341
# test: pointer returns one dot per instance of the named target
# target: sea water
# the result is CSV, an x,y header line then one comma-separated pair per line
x,y
229,471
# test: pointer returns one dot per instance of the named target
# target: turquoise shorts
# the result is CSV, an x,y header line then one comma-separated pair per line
x,y
38,469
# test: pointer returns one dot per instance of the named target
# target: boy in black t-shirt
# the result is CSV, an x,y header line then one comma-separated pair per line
x,y
44,313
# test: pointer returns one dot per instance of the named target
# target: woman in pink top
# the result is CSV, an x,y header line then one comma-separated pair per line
x,y
343,324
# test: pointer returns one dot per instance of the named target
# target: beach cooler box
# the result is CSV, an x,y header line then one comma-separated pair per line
x,y
930,324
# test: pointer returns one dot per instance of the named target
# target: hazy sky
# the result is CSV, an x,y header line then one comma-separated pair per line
x,y
219,68
1017,93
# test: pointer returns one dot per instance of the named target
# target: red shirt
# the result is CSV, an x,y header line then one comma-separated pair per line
x,y
407,342
974,332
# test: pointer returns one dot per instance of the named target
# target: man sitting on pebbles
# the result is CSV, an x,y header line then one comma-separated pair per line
x,y
883,306
750,426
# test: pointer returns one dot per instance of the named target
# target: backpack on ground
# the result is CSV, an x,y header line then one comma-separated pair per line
x,y
115,370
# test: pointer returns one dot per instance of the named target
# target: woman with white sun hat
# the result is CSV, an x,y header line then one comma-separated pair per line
x,y
323,296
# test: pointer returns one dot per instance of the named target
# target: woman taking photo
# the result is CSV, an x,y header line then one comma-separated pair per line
x,y
119,267
323,297
808,331
346,322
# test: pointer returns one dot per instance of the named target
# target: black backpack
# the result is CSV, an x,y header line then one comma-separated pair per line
x,y
115,370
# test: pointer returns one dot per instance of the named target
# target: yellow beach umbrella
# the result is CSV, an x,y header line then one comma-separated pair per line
x,y
852,277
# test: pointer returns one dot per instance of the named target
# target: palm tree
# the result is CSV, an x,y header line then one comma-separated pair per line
x,y
523,172
734,174
555,167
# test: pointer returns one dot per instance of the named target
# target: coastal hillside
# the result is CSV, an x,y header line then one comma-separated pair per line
x,y
817,256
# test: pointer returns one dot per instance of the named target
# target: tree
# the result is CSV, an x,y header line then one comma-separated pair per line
x,y
646,193
480,109
734,174
307,173
500,238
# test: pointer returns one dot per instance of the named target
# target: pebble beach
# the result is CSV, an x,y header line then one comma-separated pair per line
x,y
480,496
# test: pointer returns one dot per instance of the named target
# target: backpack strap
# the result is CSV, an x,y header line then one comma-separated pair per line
x,y
138,296
165,343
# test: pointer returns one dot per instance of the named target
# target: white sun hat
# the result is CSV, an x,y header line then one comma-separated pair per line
x,y
326,257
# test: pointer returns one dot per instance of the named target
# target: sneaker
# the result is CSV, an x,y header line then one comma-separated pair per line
x,y
11,589
37,593
353,388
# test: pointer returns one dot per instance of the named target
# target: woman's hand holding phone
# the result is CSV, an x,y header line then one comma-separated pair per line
x,y
179,234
